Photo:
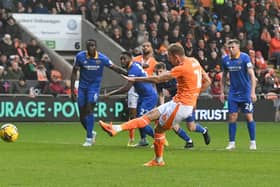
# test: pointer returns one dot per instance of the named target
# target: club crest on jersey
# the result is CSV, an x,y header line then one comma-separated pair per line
x,y
85,62
239,62
98,61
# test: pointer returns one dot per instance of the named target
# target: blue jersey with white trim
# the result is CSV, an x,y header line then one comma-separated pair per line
x,y
240,82
144,89
91,69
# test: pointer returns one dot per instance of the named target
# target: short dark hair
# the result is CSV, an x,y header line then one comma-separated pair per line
x,y
127,53
91,40
160,65
234,41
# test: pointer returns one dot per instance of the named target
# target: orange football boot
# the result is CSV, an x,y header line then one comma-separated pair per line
x,y
107,128
154,163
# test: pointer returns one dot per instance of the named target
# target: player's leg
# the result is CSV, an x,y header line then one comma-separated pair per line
x,y
197,127
171,114
247,108
183,135
132,114
132,99
159,141
144,105
89,117
83,109
81,100
140,122
233,115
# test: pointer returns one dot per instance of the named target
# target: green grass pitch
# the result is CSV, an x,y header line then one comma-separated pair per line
x,y
51,155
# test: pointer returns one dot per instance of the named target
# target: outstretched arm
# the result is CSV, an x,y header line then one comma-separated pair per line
x,y
166,76
118,69
120,90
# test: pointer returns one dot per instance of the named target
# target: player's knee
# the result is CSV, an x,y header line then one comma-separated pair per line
x,y
176,128
191,127
233,117
159,129
249,117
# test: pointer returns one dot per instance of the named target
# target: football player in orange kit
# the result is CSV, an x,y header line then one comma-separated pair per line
x,y
191,80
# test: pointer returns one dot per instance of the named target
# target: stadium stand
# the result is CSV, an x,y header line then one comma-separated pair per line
x,y
202,27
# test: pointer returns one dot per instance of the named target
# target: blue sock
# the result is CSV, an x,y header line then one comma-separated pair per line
x,y
149,130
232,131
146,130
182,134
252,129
90,123
199,128
143,134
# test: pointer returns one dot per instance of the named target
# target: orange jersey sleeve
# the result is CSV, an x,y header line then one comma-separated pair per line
x,y
151,61
188,76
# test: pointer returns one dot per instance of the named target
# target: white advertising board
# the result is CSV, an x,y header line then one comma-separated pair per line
x,y
59,32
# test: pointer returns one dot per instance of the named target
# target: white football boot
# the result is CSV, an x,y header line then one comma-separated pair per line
x,y
253,145
88,142
230,146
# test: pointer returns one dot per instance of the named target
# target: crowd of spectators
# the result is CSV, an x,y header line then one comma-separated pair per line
x,y
24,67
203,32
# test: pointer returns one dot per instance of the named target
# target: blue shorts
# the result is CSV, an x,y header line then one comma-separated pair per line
x,y
86,96
145,105
246,107
191,118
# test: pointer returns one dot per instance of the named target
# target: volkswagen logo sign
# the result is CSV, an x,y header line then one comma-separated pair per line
x,y
72,24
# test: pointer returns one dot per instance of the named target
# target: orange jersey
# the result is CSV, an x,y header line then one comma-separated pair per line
x,y
151,61
188,76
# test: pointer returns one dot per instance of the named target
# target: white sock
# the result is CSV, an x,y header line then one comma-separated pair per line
x,y
117,128
159,159
88,139
253,141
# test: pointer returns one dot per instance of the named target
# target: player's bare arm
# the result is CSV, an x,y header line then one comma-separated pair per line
x,y
253,84
166,76
206,81
120,90
118,69
223,83
73,79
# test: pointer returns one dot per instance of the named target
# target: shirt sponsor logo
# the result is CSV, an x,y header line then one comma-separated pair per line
x,y
92,67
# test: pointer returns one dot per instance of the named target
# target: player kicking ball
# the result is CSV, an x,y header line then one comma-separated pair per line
x,y
191,80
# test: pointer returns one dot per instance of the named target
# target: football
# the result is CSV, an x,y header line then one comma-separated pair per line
x,y
9,132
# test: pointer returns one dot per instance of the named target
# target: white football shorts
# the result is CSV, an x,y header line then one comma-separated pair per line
x,y
132,98
172,113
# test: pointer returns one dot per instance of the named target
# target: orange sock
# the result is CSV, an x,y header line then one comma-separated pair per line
x,y
131,134
159,144
136,123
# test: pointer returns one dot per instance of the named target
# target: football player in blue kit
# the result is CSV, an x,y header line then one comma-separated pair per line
x,y
90,63
148,97
241,91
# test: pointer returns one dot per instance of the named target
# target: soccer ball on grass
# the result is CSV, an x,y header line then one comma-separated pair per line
x,y
9,132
